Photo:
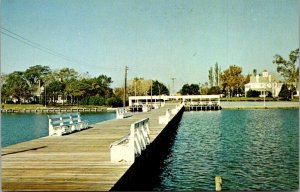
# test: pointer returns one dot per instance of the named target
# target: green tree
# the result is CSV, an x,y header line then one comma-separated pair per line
x,y
75,90
104,83
232,80
65,74
286,92
158,89
211,77
254,72
187,89
194,89
204,89
35,73
288,69
17,86
214,90
54,89
217,71
114,101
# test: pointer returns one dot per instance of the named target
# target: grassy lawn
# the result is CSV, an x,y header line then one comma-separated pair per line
x,y
296,99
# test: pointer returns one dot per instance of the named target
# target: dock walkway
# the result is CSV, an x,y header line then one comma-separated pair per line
x,y
75,162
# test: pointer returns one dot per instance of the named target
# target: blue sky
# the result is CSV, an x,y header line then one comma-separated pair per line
x,y
157,39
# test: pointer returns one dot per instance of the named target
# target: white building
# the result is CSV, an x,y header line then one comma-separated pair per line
x,y
263,83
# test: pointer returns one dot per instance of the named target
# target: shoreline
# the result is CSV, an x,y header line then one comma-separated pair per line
x,y
56,109
260,105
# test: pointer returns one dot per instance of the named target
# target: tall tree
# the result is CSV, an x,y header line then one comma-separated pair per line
x,y
36,73
204,90
54,89
187,89
65,74
217,72
254,72
232,79
158,88
16,85
288,68
139,86
211,77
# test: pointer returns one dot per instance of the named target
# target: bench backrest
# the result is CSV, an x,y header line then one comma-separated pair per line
x,y
64,119
121,110
139,136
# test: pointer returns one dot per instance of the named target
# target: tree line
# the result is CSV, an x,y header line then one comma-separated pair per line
x,y
40,84
231,82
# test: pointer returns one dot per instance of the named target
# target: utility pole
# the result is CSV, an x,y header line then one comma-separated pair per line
x,y
125,87
173,78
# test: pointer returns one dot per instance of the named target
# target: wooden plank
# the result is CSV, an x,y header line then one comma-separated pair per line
x,y
75,162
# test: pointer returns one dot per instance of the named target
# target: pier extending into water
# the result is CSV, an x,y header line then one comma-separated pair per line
x,y
81,161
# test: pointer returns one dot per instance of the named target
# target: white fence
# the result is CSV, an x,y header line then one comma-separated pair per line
x,y
65,123
132,145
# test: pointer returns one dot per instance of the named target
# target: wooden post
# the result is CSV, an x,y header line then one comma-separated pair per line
x,y
218,183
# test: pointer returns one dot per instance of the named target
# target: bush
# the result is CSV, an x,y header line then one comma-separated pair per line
x,y
253,93
96,100
286,93
84,101
214,90
114,102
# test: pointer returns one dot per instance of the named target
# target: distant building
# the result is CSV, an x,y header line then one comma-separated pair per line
x,y
263,83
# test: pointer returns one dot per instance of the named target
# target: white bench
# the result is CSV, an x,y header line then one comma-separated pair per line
x,y
65,123
164,119
132,145
122,113
145,108
176,109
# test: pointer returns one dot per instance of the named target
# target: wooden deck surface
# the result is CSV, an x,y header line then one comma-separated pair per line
x,y
75,162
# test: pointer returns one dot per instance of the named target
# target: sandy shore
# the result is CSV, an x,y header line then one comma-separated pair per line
x,y
258,105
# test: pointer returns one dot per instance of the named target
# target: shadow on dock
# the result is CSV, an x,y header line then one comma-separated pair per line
x,y
143,175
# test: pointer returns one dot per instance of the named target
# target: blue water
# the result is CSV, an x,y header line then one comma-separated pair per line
x,y
20,127
249,149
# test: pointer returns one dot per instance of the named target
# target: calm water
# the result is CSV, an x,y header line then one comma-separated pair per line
x,y
250,149
20,127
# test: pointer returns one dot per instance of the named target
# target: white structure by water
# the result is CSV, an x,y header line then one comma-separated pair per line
x,y
263,83
161,99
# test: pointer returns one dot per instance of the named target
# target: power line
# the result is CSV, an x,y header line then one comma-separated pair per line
x,y
43,48
33,44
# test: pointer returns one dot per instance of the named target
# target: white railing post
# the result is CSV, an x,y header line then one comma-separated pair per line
x,y
131,145
136,142
51,128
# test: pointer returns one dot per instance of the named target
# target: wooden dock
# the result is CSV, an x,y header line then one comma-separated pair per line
x,y
75,162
